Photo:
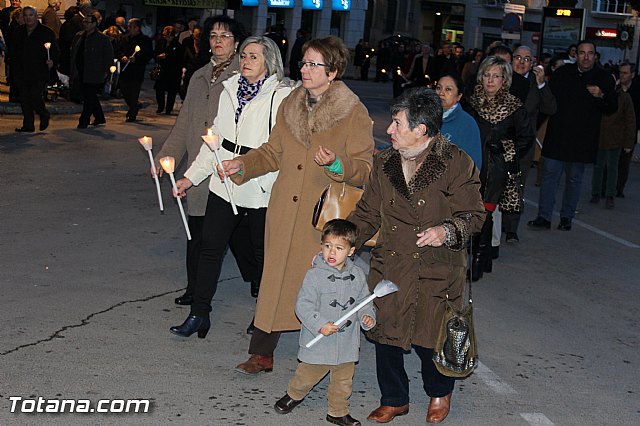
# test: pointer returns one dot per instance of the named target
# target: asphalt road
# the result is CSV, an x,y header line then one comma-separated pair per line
x,y
90,268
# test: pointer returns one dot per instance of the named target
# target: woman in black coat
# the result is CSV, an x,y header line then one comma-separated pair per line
x,y
169,55
506,135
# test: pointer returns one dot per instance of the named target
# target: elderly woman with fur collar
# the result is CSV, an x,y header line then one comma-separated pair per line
x,y
423,198
323,134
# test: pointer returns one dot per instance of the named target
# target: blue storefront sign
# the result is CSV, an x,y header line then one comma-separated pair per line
x,y
312,4
250,2
280,3
341,5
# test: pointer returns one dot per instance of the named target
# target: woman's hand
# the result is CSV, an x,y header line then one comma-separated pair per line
x,y
158,170
181,187
324,156
433,237
229,167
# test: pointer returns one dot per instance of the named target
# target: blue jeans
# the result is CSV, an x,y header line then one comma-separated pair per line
x,y
551,174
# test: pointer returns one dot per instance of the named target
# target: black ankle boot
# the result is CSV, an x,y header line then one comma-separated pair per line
x,y
191,325
255,288
185,299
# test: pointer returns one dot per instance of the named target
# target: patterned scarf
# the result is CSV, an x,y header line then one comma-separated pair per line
x,y
247,91
219,68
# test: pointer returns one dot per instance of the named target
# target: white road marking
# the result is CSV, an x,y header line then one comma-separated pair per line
x,y
536,419
594,229
492,380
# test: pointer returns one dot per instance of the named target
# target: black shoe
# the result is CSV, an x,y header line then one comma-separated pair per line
x,y
539,223
159,111
44,121
25,130
343,421
565,224
98,122
620,194
286,404
191,325
82,125
130,120
255,288
495,253
512,237
595,199
185,299
609,203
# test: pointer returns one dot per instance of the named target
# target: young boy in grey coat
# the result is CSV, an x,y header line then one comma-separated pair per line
x,y
332,286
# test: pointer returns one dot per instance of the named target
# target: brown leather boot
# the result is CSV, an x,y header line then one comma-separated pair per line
x,y
438,409
256,364
386,413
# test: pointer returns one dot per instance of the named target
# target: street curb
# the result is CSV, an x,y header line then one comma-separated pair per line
x,y
64,107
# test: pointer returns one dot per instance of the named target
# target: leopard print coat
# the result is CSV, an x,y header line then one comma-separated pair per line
x,y
506,134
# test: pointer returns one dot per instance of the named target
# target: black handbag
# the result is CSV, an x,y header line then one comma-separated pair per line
x,y
456,354
155,72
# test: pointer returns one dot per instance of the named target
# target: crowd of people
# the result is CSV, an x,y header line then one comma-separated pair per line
x,y
465,130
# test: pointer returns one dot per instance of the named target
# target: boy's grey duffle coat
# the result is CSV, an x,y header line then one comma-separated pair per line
x,y
323,285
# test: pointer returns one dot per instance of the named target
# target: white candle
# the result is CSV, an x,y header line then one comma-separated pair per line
x,y
147,144
168,164
213,142
47,46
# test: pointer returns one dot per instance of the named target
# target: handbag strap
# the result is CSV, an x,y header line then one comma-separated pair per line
x,y
469,262
271,112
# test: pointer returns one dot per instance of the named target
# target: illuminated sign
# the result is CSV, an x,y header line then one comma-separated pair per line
x,y
280,3
563,12
341,5
250,2
195,4
312,4
601,32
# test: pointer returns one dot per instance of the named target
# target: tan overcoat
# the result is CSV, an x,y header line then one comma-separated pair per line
x,y
444,191
340,122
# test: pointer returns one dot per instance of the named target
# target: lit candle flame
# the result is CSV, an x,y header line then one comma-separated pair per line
x,y
136,49
398,72
112,68
384,71
146,142
168,164
47,45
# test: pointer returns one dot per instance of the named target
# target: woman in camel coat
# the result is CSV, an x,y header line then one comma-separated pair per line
x,y
323,135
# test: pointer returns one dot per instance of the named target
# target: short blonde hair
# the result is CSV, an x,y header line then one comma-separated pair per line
x,y
505,69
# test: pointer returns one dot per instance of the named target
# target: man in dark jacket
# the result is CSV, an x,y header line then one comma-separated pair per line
x,y
583,93
91,56
296,55
539,99
50,17
5,15
135,61
630,85
32,63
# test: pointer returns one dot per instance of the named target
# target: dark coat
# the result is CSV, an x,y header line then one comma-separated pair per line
x,y
539,100
29,56
445,190
573,131
634,92
419,75
135,70
618,130
68,31
516,127
50,19
98,57
519,87
171,64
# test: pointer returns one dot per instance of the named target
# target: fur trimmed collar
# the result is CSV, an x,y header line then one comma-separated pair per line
x,y
432,168
497,109
336,104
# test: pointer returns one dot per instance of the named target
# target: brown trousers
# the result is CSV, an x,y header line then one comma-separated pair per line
x,y
341,379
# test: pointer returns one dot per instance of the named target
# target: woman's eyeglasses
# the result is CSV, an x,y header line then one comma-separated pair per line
x,y
311,65
221,37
